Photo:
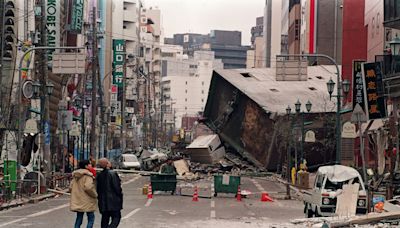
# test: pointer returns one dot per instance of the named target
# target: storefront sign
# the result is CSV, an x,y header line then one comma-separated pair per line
x,y
349,130
374,94
118,64
358,87
77,16
52,26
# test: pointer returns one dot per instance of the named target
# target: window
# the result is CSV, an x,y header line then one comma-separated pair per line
x,y
202,83
185,99
186,82
373,27
318,181
246,75
185,108
202,92
202,100
193,66
185,90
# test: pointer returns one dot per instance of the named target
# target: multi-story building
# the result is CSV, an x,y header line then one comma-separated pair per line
x,y
272,31
149,89
257,30
185,88
373,21
284,27
225,44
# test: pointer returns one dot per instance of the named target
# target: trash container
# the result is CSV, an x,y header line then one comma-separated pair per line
x,y
226,184
163,182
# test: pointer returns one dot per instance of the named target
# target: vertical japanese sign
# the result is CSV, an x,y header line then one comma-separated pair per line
x,y
76,16
118,63
52,25
374,93
358,86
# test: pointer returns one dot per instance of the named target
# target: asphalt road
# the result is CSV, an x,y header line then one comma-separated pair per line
x,y
166,210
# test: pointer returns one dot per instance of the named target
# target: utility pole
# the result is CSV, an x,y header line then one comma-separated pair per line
x,y
123,105
44,118
94,86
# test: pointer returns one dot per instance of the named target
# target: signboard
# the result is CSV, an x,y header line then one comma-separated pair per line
x,y
358,86
310,136
349,130
31,127
358,115
75,130
374,94
46,133
69,63
118,62
65,120
76,16
52,26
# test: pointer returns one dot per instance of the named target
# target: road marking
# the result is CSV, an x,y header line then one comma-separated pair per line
x,y
131,213
259,187
212,214
148,203
12,222
47,211
212,203
130,181
212,190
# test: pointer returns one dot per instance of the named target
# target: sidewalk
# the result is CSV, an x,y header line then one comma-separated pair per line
x,y
26,200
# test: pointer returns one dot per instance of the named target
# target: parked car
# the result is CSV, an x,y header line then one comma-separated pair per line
x,y
126,161
321,200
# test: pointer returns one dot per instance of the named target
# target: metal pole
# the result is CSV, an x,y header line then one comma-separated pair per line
x,y
302,138
123,105
93,151
288,162
362,150
83,126
339,95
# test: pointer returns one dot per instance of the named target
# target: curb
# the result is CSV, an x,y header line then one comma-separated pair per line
x,y
22,202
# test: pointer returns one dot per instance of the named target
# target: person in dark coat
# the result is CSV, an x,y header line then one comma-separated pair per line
x,y
110,197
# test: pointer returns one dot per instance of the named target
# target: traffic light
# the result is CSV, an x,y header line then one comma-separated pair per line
x,y
9,30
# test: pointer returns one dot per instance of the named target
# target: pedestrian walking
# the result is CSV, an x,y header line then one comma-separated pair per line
x,y
83,194
110,195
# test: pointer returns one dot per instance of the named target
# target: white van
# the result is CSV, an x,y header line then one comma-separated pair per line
x,y
127,161
321,200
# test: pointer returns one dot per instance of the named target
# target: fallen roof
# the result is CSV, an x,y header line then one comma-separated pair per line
x,y
261,86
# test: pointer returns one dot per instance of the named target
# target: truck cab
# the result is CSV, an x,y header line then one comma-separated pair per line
x,y
322,199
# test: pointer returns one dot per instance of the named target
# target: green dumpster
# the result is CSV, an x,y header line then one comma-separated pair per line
x,y
10,174
163,182
226,184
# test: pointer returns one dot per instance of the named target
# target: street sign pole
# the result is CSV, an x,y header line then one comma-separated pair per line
x,y
360,117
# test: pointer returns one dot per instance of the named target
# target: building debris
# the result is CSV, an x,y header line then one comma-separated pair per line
x,y
206,149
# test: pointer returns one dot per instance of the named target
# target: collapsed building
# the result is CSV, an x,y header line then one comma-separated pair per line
x,y
247,109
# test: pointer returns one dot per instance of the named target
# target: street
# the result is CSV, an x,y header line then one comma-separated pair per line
x,y
166,210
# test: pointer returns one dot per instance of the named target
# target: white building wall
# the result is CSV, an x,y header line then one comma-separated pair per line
x,y
187,92
272,31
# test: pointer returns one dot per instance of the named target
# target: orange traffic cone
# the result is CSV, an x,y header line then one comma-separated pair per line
x,y
239,195
265,197
195,195
149,192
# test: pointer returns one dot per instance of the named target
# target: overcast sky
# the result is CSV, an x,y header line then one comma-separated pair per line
x,y
201,16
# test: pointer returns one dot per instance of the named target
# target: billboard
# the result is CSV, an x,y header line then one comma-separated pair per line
x,y
374,93
118,61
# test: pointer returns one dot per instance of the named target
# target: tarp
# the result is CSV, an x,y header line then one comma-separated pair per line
x,y
339,173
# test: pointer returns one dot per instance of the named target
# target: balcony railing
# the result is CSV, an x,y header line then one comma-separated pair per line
x,y
390,65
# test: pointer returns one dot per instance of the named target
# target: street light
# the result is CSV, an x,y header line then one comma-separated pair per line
x,y
297,106
345,86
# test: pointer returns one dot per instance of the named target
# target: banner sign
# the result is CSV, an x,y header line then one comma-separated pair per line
x,y
52,26
374,93
358,86
76,16
118,63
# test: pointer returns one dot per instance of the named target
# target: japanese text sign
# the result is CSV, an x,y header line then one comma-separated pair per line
x,y
118,63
